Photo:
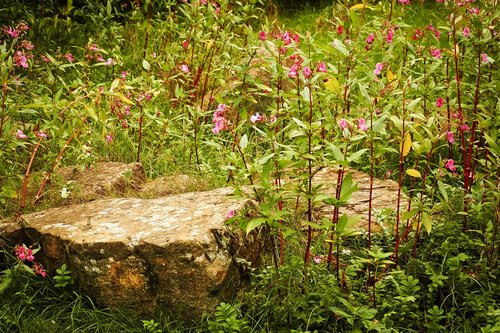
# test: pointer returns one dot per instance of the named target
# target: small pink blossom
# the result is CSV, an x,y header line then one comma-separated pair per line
x,y
273,119
474,10
256,118
20,59
46,59
466,32
465,127
41,134
342,124
12,32
321,67
317,259
109,138
370,38
69,57
340,30
439,102
203,2
27,45
185,44
449,136
307,72
124,75
20,135
294,70
217,11
262,35
378,68
484,57
29,255
436,53
39,270
440,1
389,37
185,68
109,62
404,2
219,119
450,165
230,214
154,55
21,252
362,124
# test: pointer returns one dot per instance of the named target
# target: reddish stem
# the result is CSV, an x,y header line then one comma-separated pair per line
x,y
27,173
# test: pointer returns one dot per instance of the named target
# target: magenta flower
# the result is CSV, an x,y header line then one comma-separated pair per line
x,y
21,252
294,70
439,102
124,75
450,165
109,138
465,127
378,68
39,270
370,38
185,44
219,119
20,135
317,259
404,2
256,118
12,32
41,134
185,68
340,30
20,59
436,53
109,62
262,35
390,35
69,57
362,124
449,135
484,57
307,72
474,10
30,256
342,124
46,59
466,32
321,67
217,11
230,214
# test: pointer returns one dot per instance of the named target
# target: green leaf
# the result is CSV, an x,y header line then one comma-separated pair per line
x,y
354,157
427,222
254,223
337,154
348,188
244,142
442,189
410,214
146,65
339,46
364,93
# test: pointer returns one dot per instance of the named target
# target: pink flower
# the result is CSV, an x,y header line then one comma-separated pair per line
x,y
362,124
41,134
436,53
109,62
440,1
307,72
294,70
450,165
20,135
273,119
26,44
12,32
465,127
474,10
262,36
230,214
217,11
321,67
46,59
370,38
30,256
390,35
219,119
342,124
154,55
466,32
69,57
317,259
20,59
203,2
39,270
378,68
185,68
484,57
449,135
21,252
404,2
439,102
256,118
109,138
340,30
124,75
185,44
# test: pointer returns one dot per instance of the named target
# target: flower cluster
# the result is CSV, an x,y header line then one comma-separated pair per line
x,y
24,253
23,47
219,119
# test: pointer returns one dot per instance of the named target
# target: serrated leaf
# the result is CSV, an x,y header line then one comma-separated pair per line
x,y
405,145
413,173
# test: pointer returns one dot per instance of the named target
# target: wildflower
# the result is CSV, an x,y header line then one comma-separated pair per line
x,y
256,118
20,135
340,30
321,67
203,2
307,72
93,48
294,70
185,68
342,124
39,270
27,45
262,36
30,256
484,57
417,34
436,53
41,134
20,59
370,38
450,165
185,44
317,259
404,2
69,57
439,102
378,68
217,11
362,124
20,252
390,35
109,138
154,55
124,75
449,135
45,59
219,119
464,127
12,32
440,1
466,32
273,119
230,214
109,62
474,10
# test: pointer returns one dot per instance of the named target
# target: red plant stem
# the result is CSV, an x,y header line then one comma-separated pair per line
x,y
27,173
335,216
310,176
448,109
140,135
371,181
419,216
400,178
4,106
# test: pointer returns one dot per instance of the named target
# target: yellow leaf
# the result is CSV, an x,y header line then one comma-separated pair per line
x,y
391,76
413,173
405,146
360,6
332,84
